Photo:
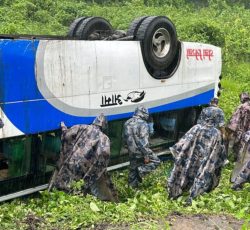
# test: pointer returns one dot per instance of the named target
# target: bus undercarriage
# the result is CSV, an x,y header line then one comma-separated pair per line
x,y
27,162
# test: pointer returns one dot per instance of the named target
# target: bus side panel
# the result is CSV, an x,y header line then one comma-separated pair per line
x,y
30,111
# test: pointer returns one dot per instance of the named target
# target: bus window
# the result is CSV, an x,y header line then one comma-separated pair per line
x,y
15,157
165,130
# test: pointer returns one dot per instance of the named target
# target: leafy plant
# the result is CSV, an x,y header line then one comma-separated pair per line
x,y
146,205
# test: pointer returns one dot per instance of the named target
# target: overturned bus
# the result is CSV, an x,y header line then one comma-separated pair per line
x,y
94,69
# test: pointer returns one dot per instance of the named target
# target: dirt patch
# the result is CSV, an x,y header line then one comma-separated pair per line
x,y
178,221
201,221
32,221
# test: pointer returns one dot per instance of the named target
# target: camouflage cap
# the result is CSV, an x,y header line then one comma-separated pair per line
x,y
101,121
214,101
244,96
142,112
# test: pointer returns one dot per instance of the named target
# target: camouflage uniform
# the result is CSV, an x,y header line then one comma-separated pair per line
x,y
244,173
136,138
240,123
85,155
212,116
199,157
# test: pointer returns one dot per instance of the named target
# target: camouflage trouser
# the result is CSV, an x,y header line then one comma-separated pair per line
x,y
104,189
138,169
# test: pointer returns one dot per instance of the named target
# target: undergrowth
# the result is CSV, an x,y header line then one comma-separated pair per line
x,y
57,210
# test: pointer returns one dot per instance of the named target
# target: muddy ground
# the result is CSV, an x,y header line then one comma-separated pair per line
x,y
177,221
199,221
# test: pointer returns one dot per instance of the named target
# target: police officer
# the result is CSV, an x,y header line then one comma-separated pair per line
x,y
243,175
85,155
199,156
136,138
219,120
239,124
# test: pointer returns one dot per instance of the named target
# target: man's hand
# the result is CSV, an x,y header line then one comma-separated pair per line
x,y
146,160
228,135
229,132
224,133
225,137
63,126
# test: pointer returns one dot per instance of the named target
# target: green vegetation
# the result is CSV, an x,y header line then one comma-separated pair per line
x,y
224,23
218,22
150,203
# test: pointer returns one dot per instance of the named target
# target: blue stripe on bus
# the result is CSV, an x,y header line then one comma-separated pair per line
x,y
200,99
39,116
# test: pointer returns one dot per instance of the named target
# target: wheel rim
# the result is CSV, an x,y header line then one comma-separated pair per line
x,y
161,43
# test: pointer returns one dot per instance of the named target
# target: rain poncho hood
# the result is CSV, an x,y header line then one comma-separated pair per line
x,y
101,121
141,112
84,155
214,101
212,115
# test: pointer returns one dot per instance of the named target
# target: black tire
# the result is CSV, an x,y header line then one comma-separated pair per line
x,y
94,25
156,57
74,26
134,26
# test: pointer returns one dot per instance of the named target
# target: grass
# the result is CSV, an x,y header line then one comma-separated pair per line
x,y
148,204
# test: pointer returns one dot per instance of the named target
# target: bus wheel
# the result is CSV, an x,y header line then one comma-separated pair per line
x,y
94,28
158,40
134,26
74,26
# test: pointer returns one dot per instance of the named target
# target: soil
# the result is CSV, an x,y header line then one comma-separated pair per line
x,y
178,221
200,221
